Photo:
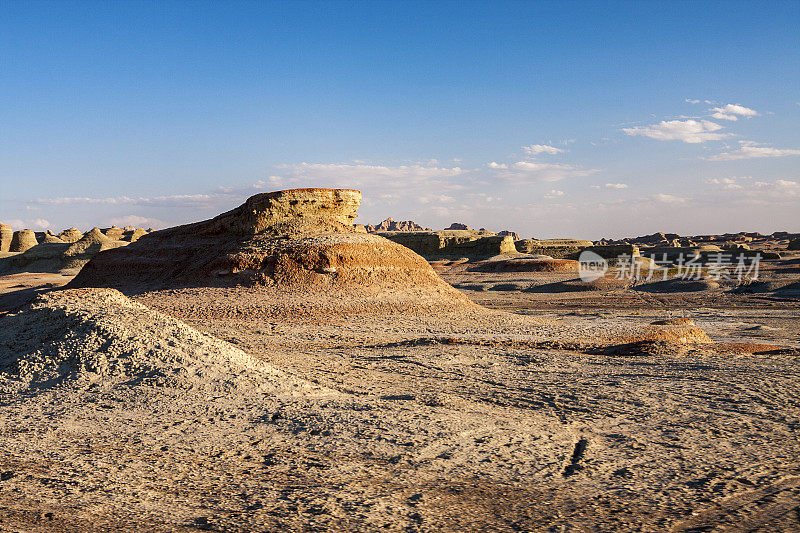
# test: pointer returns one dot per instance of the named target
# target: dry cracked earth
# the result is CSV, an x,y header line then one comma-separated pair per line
x,y
457,421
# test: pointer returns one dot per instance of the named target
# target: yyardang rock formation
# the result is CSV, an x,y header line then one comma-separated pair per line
x,y
6,234
299,242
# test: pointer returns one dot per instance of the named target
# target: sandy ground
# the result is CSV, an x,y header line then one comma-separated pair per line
x,y
419,423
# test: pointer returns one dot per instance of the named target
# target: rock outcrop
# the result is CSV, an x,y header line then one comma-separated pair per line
x,y
70,235
114,233
49,238
6,235
54,255
23,240
134,234
454,243
296,243
395,225
458,226
511,234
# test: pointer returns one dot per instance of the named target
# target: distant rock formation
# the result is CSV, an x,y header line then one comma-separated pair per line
x,y
6,234
394,225
454,243
571,248
70,235
55,255
23,240
134,235
49,238
458,226
511,234
114,233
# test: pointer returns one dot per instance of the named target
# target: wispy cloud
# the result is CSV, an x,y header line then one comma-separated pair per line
x,y
536,149
180,200
29,223
554,194
668,198
688,131
725,183
751,150
138,221
529,171
616,185
353,174
733,112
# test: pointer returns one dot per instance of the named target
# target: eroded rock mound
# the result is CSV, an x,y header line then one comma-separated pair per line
x,y
6,234
78,336
300,240
526,263
70,235
23,240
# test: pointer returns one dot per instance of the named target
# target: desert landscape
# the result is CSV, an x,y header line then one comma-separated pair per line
x,y
279,367
399,265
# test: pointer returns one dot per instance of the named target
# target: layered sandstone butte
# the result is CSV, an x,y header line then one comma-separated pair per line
x,y
299,241
6,234
23,240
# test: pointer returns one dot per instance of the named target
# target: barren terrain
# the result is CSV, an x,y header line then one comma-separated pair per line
x,y
233,408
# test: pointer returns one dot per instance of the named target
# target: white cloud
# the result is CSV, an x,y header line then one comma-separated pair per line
x,y
439,199
554,194
35,223
156,201
733,112
668,198
616,185
356,175
690,101
745,191
536,149
138,221
726,183
526,171
496,165
688,131
750,150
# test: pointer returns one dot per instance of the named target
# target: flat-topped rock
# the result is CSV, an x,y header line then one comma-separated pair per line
x,y
291,210
23,240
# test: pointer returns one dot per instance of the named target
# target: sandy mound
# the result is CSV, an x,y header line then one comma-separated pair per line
x,y
70,235
527,264
679,285
76,336
578,285
90,244
299,243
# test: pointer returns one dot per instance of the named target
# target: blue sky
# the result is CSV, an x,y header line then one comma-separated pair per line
x,y
548,118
